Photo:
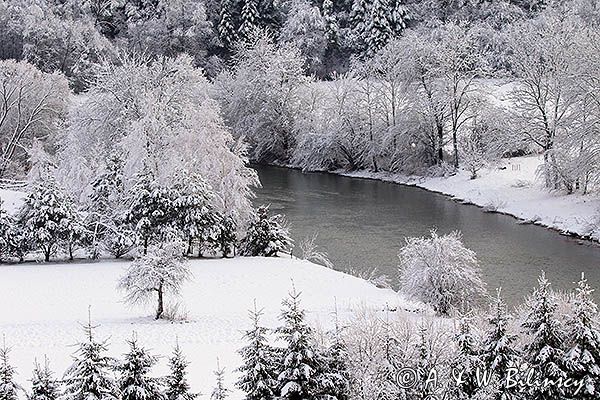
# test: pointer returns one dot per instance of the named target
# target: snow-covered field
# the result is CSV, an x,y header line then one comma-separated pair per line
x,y
513,190
43,305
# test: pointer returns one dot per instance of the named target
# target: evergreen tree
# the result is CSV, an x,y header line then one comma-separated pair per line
x,y
134,382
334,377
220,392
6,226
544,350
258,376
249,21
44,385
47,216
582,360
227,235
177,386
8,387
152,209
298,378
89,377
226,29
468,361
266,235
379,30
398,17
499,345
359,20
331,24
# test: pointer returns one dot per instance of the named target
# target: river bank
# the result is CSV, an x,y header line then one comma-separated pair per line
x,y
510,188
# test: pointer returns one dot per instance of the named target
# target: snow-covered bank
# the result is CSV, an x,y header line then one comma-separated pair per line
x,y
511,188
43,305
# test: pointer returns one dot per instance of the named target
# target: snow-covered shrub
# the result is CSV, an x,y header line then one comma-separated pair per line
x,y
44,385
163,270
266,235
176,384
311,253
442,272
9,389
6,227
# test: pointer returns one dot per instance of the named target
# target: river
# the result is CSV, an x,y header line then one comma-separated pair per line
x,y
362,224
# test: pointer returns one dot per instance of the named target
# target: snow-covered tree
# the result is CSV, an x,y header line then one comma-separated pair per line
x,y
306,29
176,384
442,272
359,19
298,377
334,376
134,382
544,348
226,29
467,362
398,18
33,105
44,385
499,350
258,372
8,387
226,237
220,391
379,30
6,226
152,209
331,24
48,216
90,377
260,97
582,359
266,235
249,21
161,271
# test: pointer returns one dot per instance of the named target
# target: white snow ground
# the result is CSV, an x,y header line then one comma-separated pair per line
x,y
43,305
513,190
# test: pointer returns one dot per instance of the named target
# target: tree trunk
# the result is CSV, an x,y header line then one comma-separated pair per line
x,y
455,147
47,253
440,134
159,309
145,245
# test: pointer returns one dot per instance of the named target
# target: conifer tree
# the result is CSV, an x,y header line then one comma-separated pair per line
x,y
44,385
89,377
379,30
220,392
134,382
266,235
499,345
398,17
226,29
249,21
152,209
227,235
6,226
331,24
545,347
468,361
359,19
582,360
177,386
8,387
258,376
334,377
47,216
298,378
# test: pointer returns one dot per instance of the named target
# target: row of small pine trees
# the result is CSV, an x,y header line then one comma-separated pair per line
x,y
50,221
300,370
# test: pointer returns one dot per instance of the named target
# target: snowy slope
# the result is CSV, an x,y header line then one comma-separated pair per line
x,y
42,305
513,190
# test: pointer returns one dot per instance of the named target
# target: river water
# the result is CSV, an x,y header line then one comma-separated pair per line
x,y
362,224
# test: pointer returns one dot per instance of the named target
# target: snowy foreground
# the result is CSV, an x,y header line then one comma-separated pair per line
x,y
43,305
514,190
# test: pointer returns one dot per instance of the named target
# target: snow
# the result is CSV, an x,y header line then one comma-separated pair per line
x,y
511,188
11,200
42,307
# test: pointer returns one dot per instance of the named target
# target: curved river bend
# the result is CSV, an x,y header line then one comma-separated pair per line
x,y
362,224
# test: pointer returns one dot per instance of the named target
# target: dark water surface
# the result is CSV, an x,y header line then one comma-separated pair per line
x,y
362,224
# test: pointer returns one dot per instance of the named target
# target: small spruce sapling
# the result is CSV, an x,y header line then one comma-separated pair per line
x,y
134,382
177,386
220,392
8,387
44,385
